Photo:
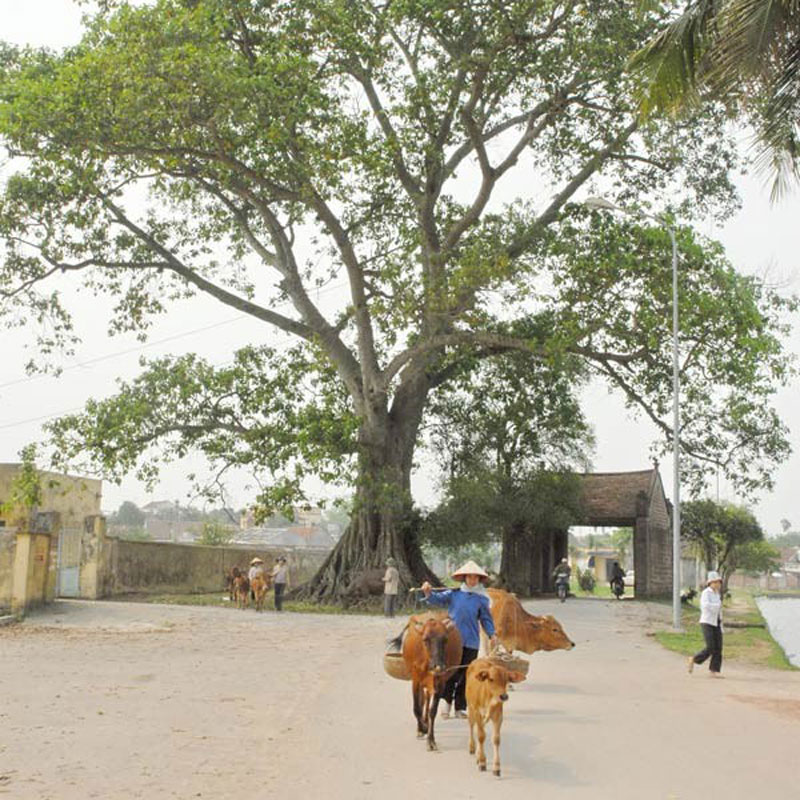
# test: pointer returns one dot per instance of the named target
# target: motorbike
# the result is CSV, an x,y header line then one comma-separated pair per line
x,y
562,587
618,587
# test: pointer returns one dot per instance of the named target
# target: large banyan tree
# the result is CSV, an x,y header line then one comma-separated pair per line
x,y
422,156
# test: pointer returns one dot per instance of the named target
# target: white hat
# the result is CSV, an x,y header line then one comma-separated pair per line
x,y
713,576
256,560
470,568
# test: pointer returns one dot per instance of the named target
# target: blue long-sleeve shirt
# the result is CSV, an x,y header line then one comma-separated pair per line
x,y
466,609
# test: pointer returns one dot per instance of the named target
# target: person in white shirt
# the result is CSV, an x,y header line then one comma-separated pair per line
x,y
280,577
391,586
711,625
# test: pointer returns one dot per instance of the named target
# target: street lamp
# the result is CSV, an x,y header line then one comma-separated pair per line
x,y
601,204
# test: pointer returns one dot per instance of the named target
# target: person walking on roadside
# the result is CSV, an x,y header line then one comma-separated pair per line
x,y
468,607
711,625
391,585
280,577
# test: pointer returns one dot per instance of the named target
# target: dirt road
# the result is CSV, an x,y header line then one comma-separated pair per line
x,y
118,701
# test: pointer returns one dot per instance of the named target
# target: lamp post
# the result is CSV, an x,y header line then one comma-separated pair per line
x,y
601,204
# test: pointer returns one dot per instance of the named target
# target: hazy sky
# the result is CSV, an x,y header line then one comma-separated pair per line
x,y
760,238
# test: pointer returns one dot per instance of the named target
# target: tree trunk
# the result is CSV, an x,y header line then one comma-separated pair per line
x,y
383,522
516,559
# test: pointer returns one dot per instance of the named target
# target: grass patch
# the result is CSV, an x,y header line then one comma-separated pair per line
x,y
750,646
602,591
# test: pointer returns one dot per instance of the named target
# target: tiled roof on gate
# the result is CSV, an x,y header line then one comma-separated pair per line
x,y
612,495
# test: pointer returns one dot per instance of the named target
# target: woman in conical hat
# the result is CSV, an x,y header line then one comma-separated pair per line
x,y
256,568
468,607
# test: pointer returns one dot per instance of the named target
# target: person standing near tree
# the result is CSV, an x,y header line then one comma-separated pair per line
x,y
280,577
391,585
711,625
468,607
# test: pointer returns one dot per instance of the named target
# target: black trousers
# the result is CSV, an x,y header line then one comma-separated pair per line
x,y
279,588
456,687
713,649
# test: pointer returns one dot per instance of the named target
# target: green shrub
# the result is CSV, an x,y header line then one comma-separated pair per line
x,y
586,580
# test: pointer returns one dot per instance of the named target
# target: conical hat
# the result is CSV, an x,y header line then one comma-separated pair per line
x,y
256,560
470,568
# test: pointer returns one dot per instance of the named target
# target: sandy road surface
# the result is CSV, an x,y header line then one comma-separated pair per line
x,y
117,701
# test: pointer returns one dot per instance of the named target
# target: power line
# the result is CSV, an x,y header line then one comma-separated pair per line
x,y
38,419
134,350
154,343
137,349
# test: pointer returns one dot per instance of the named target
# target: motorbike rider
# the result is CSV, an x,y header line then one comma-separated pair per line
x,y
617,574
562,572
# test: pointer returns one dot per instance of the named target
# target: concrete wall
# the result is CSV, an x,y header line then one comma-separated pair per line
x,y
8,547
173,568
72,497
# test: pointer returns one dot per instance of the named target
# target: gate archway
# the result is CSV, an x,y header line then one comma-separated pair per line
x,y
619,499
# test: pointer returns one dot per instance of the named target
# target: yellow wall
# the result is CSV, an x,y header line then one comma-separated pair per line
x,y
33,564
8,547
72,497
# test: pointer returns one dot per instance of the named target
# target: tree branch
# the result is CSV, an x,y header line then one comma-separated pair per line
x,y
223,295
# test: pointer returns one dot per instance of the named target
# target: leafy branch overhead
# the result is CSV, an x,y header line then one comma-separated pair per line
x,y
419,157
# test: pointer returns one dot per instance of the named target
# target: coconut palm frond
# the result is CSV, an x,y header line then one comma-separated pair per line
x,y
744,50
779,130
669,63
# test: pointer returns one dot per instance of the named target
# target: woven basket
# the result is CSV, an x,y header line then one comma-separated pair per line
x,y
395,666
511,662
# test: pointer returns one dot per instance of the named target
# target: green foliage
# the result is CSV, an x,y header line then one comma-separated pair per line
x,y
504,434
621,540
216,534
267,411
755,557
26,487
129,515
723,533
788,539
257,153
586,580
485,554
731,328
133,534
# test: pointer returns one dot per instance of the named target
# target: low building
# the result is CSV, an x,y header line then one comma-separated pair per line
x,y
41,551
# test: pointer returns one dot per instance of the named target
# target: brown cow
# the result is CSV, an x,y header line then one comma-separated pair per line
x,y
230,576
518,630
241,591
259,586
431,650
486,692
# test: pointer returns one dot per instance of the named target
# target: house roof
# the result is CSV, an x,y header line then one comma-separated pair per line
x,y
610,498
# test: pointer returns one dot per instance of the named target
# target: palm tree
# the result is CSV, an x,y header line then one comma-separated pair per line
x,y
745,53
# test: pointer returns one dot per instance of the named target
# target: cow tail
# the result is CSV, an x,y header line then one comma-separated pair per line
x,y
396,644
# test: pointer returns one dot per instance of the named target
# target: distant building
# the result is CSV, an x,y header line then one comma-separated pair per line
x,y
161,508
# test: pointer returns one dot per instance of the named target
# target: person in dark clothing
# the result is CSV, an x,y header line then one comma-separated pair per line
x,y
280,577
617,576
